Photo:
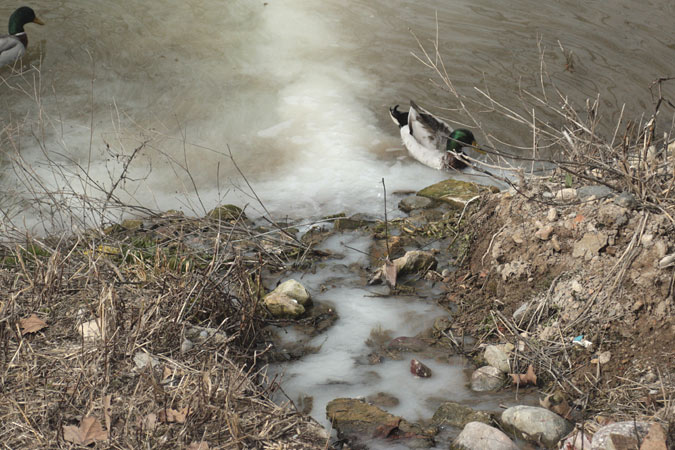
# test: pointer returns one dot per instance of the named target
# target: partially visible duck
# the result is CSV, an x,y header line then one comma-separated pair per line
x,y
430,140
13,46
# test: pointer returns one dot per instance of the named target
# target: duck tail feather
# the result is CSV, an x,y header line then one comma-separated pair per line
x,y
400,118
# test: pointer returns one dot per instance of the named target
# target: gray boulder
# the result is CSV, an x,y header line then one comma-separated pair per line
x,y
487,378
536,424
479,436
626,432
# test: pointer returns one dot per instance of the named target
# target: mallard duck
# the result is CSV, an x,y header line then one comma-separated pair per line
x,y
13,45
430,140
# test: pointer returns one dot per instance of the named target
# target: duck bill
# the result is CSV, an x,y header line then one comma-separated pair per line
x,y
38,21
474,145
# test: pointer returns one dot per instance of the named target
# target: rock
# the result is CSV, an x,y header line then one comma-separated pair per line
x,y
613,216
544,233
413,202
655,439
455,192
186,346
479,436
627,200
378,251
407,344
487,378
521,313
458,415
552,215
227,212
358,421
294,290
383,399
536,423
288,300
143,359
414,261
667,261
91,330
283,306
589,245
498,356
351,223
132,224
555,243
419,370
579,440
199,335
566,194
598,191
517,237
609,436
604,357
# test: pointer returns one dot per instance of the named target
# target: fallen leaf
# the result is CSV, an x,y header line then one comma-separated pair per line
x,y
202,445
655,439
31,324
169,415
166,373
525,378
385,430
88,432
557,403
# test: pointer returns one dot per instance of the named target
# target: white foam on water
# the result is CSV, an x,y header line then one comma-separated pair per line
x,y
193,84
340,367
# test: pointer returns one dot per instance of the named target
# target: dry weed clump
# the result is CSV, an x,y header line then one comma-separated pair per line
x,y
628,289
145,336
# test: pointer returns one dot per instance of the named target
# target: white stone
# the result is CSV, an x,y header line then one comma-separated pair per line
x,y
601,438
487,378
294,290
566,194
537,423
142,359
479,436
91,330
497,356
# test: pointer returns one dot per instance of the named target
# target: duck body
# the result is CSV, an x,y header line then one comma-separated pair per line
x,y
13,45
430,140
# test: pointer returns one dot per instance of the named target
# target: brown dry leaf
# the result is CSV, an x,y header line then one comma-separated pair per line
x,y
31,324
390,272
88,432
202,445
149,422
655,439
166,373
557,403
169,415
525,378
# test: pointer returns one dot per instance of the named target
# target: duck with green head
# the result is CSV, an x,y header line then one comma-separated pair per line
x,y
430,140
13,46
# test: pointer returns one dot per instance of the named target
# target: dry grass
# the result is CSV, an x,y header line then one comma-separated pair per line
x,y
144,292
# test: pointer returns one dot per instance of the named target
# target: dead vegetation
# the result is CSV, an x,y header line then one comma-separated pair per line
x,y
142,337
619,295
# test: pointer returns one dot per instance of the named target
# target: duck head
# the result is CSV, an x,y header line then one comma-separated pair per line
x,y
460,138
21,17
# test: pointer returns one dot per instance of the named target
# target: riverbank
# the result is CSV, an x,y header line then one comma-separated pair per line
x,y
155,332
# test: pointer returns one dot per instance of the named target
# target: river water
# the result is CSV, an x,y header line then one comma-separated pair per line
x,y
295,92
